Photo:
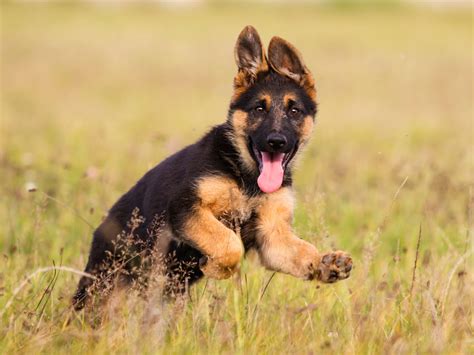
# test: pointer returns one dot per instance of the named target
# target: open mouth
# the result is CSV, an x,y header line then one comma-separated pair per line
x,y
272,167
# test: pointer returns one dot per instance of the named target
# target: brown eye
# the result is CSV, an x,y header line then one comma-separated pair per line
x,y
294,111
259,109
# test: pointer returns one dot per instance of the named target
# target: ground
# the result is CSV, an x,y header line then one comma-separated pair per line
x,y
95,95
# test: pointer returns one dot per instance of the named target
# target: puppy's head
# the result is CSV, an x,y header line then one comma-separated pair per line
x,y
273,106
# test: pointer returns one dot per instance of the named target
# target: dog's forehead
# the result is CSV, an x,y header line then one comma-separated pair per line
x,y
278,88
279,96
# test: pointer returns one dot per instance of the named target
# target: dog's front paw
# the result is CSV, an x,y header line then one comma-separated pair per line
x,y
214,270
334,266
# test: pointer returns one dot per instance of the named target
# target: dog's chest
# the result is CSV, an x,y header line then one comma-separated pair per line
x,y
227,202
240,211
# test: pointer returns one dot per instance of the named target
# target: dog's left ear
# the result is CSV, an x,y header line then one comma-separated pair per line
x,y
286,60
250,59
249,52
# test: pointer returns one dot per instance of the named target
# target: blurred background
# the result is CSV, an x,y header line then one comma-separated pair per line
x,y
106,89
94,93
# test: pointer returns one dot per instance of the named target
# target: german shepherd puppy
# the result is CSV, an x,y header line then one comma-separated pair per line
x,y
229,192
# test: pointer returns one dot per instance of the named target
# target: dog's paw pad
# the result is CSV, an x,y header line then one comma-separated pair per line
x,y
334,266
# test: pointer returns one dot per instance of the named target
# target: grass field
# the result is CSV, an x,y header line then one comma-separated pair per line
x,y
93,96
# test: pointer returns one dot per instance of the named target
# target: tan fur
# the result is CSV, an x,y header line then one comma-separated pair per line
x,y
218,196
280,249
239,121
287,98
243,80
306,128
223,197
240,85
268,101
308,85
221,245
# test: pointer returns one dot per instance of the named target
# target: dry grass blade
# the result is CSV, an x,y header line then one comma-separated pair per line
x,y
36,273
415,263
371,243
450,279
254,313
392,203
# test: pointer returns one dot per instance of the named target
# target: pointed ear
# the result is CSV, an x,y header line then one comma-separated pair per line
x,y
249,56
286,60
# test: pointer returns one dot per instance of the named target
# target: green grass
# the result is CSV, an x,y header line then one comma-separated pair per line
x,y
93,96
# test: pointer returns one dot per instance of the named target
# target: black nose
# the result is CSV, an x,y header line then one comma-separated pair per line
x,y
276,141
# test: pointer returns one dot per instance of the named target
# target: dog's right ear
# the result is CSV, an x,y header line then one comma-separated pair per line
x,y
286,60
250,58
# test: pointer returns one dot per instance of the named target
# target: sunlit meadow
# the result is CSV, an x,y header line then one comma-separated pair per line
x,y
94,95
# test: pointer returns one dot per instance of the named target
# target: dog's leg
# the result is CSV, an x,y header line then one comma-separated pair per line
x,y
182,268
199,226
221,247
280,250
100,261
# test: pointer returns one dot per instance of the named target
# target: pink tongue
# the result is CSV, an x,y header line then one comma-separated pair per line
x,y
271,176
